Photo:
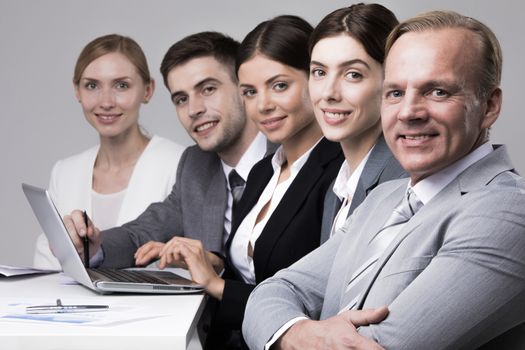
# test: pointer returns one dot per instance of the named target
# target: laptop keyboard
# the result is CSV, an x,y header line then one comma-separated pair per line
x,y
129,276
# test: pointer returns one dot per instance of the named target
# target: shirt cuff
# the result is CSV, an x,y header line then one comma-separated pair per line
x,y
283,329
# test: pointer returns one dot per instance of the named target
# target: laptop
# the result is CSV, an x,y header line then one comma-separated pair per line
x,y
99,280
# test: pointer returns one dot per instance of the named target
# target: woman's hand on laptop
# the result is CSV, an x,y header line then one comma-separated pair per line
x,y
202,264
76,226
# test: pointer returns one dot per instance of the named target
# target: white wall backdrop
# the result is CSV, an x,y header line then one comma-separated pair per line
x,y
42,122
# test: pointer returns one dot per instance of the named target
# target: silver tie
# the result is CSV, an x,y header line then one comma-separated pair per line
x,y
409,205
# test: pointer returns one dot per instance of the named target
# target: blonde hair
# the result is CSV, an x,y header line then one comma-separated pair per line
x,y
109,44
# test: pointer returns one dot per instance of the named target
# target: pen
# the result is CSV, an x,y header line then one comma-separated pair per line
x,y
59,308
86,242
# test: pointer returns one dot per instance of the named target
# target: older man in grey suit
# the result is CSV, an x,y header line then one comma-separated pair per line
x,y
445,251
199,72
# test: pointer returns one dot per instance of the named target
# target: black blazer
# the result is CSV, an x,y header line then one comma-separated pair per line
x,y
292,231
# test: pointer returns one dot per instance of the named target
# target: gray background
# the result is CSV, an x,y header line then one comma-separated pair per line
x,y
42,122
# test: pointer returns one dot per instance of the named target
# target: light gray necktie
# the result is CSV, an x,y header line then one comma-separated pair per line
x,y
377,245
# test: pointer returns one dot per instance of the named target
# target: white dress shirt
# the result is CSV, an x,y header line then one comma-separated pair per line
x,y
249,231
106,207
430,186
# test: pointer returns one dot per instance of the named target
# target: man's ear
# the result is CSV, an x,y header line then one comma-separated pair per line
x,y
492,108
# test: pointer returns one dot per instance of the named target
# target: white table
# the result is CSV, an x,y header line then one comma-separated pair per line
x,y
176,330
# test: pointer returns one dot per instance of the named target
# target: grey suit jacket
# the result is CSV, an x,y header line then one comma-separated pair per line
x,y
453,278
381,166
194,208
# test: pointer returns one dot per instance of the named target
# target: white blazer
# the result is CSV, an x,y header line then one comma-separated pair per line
x,y
71,182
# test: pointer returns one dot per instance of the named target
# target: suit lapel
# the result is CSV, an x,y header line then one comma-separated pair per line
x,y
450,194
331,206
214,206
292,201
255,184
374,167
375,222
485,170
141,187
76,192
86,183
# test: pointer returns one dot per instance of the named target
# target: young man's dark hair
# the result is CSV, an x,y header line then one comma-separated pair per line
x,y
219,46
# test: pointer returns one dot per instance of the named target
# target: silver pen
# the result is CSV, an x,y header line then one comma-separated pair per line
x,y
59,308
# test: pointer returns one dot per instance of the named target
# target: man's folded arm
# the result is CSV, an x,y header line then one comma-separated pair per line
x,y
295,292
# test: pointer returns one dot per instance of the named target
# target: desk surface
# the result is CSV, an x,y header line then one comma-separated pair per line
x,y
175,330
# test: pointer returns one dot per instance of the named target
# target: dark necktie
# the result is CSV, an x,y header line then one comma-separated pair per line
x,y
377,245
237,188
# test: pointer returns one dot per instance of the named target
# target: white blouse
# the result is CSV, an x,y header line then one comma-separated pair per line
x,y
106,207
344,188
248,231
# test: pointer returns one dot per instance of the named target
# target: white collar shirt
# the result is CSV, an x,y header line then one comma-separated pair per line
x,y
344,188
429,187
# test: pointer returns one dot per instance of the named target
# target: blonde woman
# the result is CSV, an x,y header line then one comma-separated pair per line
x,y
117,179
